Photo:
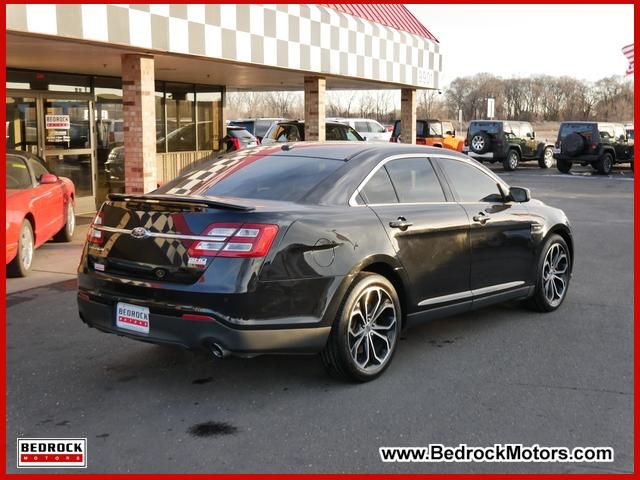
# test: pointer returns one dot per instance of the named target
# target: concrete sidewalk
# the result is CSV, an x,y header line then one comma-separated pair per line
x,y
54,261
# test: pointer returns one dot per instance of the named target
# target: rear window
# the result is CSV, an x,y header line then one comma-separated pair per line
x,y
492,128
423,129
273,177
569,128
249,125
239,133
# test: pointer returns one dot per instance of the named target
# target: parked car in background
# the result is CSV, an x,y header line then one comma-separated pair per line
x,y
238,138
428,132
370,130
256,126
449,139
599,144
509,142
39,207
331,248
629,129
293,131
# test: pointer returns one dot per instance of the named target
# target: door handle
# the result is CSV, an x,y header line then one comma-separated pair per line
x,y
401,223
481,218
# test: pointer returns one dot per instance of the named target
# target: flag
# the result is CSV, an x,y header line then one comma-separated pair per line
x,y
628,52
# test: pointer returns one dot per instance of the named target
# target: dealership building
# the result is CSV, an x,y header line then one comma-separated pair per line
x,y
88,84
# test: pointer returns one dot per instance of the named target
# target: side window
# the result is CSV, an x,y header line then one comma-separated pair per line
x,y
18,177
351,135
37,168
620,133
524,129
335,132
606,132
376,127
361,126
470,183
379,189
415,180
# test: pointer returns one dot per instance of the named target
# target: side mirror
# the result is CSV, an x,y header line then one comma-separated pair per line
x,y
449,132
47,179
519,194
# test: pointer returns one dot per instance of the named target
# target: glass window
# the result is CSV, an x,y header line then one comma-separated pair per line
x,y
361,126
334,133
18,177
37,168
209,114
415,180
435,129
21,124
61,82
569,128
379,189
470,182
352,135
160,117
620,133
180,121
66,124
261,127
492,128
287,178
526,128
375,127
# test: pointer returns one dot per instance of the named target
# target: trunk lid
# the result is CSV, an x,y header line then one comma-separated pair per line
x,y
160,237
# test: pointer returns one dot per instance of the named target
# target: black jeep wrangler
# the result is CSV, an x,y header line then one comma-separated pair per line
x,y
598,144
506,141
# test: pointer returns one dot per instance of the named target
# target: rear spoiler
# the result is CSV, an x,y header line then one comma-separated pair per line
x,y
190,199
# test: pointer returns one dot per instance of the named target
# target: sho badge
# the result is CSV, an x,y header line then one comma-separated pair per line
x,y
198,262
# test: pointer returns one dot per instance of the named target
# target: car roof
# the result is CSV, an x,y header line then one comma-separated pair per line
x,y
298,122
344,150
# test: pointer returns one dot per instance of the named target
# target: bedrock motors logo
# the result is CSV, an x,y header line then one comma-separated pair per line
x,y
52,453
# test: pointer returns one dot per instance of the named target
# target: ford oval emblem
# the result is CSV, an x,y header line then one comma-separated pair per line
x,y
139,232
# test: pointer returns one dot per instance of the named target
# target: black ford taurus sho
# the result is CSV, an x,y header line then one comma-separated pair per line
x,y
329,248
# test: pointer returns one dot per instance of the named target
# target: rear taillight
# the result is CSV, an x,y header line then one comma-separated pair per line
x,y
594,146
95,236
558,144
421,141
235,240
236,143
393,139
466,142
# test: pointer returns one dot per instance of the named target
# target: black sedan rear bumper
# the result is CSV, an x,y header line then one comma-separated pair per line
x,y
173,329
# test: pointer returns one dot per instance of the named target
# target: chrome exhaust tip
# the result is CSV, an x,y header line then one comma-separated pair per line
x,y
218,351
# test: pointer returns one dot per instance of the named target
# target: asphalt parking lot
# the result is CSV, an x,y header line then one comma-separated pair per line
x,y
499,375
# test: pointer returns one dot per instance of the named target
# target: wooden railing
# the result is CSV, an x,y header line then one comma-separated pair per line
x,y
170,165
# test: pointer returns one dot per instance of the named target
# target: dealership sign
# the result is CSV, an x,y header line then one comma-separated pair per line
x,y
57,121
52,453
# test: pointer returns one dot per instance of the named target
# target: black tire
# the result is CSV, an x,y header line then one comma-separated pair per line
x,y
512,161
573,144
21,264
605,164
546,160
564,166
66,233
337,355
540,300
480,142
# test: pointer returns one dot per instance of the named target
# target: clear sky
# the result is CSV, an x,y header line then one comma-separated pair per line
x,y
582,41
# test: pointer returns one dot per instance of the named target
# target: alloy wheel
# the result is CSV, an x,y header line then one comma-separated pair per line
x,y
477,143
373,329
26,248
548,157
555,274
71,220
513,160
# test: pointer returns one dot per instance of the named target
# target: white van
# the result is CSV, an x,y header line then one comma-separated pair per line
x,y
370,130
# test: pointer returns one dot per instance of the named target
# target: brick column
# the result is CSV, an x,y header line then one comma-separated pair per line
x,y
314,108
139,110
408,115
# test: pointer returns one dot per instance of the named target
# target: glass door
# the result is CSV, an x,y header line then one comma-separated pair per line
x,y
67,140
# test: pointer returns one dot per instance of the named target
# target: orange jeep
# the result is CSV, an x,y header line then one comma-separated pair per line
x,y
430,133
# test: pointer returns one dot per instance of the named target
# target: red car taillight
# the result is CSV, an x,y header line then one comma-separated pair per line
x,y
393,139
466,142
421,141
94,236
236,143
235,240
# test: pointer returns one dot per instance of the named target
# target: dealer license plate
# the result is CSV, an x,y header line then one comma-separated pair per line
x,y
132,317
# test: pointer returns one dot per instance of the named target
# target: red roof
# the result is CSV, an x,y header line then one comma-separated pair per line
x,y
393,15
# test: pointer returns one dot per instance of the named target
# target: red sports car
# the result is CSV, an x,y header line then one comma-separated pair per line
x,y
39,207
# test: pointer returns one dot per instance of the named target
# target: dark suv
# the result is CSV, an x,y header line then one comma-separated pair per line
x,y
597,144
509,142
